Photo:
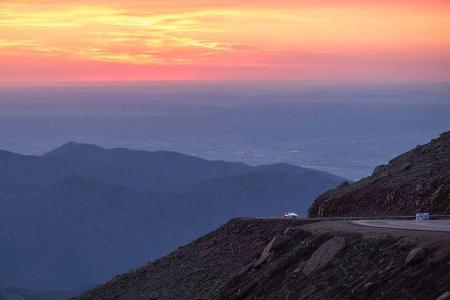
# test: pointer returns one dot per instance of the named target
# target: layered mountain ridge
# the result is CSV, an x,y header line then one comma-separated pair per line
x,y
92,213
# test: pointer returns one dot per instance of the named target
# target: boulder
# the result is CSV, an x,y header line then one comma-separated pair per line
x,y
324,255
415,255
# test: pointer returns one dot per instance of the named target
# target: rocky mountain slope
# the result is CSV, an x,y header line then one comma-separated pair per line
x,y
416,181
100,212
290,259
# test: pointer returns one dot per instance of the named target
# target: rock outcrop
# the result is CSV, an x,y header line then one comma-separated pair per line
x,y
416,181
415,255
274,244
324,255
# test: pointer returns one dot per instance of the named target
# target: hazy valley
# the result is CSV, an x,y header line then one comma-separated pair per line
x,y
91,213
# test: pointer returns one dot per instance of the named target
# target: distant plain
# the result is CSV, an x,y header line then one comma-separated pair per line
x,y
345,129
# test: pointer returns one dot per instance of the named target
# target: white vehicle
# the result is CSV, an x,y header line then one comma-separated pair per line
x,y
291,215
422,216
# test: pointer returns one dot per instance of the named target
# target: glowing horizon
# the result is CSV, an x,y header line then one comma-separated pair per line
x,y
80,40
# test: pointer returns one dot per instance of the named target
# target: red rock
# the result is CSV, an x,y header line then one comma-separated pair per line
x,y
418,180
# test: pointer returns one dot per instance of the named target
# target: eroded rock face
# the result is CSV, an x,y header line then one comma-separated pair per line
x,y
324,255
359,267
416,181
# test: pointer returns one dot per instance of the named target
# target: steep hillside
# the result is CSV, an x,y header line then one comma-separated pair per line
x,y
418,180
95,212
290,259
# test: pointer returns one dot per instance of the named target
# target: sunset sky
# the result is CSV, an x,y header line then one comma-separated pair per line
x,y
109,40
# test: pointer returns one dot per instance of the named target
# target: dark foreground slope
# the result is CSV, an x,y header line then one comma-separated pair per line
x,y
286,259
199,268
418,180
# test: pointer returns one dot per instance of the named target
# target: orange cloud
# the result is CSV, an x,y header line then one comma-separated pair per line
x,y
288,39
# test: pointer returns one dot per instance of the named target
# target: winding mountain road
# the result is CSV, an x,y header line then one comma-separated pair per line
x,y
440,225
431,225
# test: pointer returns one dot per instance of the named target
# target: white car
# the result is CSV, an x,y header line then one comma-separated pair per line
x,y
422,216
290,215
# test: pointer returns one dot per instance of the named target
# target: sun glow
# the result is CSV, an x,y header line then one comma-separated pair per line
x,y
206,39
